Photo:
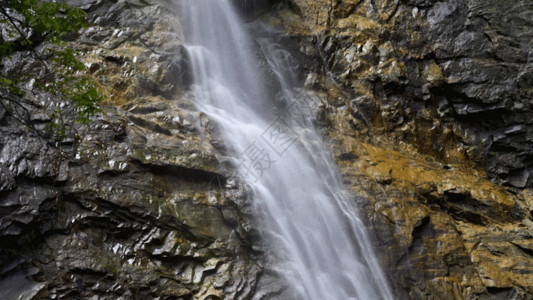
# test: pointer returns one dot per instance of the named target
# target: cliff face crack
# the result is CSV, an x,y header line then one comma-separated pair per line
x,y
526,251
150,125
212,179
423,229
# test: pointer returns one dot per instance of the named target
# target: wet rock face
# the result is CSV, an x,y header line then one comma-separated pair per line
x,y
487,65
140,208
460,69
252,9
118,220
428,105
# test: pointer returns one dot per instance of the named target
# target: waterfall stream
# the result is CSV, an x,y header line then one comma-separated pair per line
x,y
322,245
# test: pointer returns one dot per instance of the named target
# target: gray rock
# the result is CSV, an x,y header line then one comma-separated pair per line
x,y
130,210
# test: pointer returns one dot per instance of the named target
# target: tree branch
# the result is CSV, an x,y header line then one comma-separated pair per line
x,y
23,35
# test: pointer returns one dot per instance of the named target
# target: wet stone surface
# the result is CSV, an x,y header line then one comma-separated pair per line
x,y
140,207
428,107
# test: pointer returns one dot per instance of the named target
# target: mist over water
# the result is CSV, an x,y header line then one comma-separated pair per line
x,y
322,244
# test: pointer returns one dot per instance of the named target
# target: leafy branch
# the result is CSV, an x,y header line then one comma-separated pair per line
x,y
37,29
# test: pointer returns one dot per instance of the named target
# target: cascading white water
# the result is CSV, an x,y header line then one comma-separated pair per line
x,y
324,247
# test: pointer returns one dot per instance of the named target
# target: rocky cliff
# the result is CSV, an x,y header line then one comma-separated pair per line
x,y
427,106
140,207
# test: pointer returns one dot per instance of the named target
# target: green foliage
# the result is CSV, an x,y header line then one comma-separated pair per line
x,y
48,17
37,28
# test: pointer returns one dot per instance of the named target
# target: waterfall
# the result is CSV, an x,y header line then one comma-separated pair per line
x,y
322,245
